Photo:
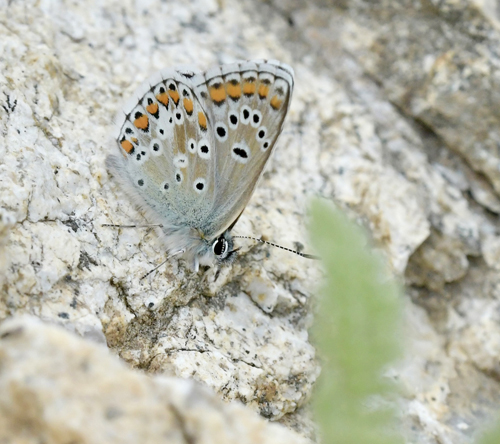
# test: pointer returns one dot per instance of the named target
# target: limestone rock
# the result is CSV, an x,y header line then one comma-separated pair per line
x,y
410,91
58,388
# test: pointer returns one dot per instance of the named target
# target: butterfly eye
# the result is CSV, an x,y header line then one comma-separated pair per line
x,y
220,246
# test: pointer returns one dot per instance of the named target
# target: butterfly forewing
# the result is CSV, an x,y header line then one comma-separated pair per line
x,y
246,105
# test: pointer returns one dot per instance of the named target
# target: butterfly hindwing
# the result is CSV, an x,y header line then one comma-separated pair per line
x,y
168,152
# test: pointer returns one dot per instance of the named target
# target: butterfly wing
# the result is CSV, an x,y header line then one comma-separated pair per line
x,y
194,145
167,160
246,104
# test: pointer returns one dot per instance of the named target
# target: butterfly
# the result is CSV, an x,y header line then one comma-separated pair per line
x,y
193,146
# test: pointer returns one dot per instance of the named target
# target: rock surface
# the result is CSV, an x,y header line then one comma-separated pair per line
x,y
53,385
394,116
412,148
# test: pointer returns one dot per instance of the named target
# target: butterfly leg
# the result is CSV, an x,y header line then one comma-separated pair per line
x,y
158,266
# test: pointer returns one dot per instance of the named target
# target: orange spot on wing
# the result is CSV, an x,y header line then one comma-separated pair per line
x,y
276,102
163,98
263,91
152,109
233,90
127,146
175,96
202,120
217,93
142,122
188,106
249,88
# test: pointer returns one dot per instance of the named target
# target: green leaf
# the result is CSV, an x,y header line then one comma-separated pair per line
x,y
357,332
492,436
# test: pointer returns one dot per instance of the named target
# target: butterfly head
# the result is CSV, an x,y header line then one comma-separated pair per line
x,y
222,248
210,252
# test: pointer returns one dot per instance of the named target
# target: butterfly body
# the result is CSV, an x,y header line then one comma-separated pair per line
x,y
193,146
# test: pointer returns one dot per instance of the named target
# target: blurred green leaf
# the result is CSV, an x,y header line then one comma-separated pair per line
x,y
357,333
492,436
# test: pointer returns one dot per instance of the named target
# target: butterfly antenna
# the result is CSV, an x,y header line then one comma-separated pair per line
x,y
158,266
307,256
132,226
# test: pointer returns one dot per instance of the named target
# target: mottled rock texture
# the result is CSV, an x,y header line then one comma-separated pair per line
x,y
58,388
395,117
